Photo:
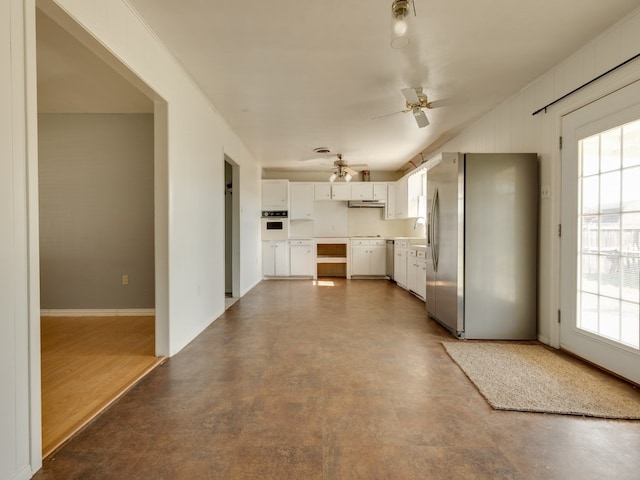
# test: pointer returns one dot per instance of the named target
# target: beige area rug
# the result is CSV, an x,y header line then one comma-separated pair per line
x,y
532,378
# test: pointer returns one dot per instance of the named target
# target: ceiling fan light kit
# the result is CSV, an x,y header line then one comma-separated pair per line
x,y
343,171
400,23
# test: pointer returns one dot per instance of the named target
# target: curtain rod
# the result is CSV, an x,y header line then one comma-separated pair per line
x,y
586,84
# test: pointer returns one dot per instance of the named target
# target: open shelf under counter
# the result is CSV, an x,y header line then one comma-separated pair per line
x,y
332,257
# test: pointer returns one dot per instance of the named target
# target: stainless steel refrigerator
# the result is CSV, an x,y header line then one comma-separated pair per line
x,y
482,237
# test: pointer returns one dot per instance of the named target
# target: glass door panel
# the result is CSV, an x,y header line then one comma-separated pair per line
x,y
601,209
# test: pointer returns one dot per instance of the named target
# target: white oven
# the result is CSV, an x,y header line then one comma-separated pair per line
x,y
275,225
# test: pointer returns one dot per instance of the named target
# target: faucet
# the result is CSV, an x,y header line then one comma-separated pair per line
x,y
419,221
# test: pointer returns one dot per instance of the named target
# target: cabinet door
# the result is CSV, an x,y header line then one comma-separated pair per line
x,y
421,287
322,191
412,273
379,191
301,260
402,200
275,194
400,267
390,207
378,260
341,191
360,260
362,191
302,196
417,187
268,259
281,267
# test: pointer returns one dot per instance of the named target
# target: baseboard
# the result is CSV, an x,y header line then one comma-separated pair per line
x,y
25,474
99,312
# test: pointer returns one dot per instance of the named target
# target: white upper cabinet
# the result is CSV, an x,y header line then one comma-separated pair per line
x,y
411,195
380,191
390,207
322,191
368,191
275,194
332,191
341,191
362,191
302,196
417,190
402,198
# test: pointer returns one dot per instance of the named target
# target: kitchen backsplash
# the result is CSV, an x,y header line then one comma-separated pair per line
x,y
358,222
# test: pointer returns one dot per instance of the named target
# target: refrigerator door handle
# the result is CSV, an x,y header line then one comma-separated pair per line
x,y
435,231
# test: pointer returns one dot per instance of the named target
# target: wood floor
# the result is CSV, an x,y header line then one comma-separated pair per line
x,y
345,379
87,363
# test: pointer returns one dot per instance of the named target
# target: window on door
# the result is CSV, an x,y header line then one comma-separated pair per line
x,y
608,303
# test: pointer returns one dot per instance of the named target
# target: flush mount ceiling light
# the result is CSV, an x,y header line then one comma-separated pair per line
x,y
400,23
321,150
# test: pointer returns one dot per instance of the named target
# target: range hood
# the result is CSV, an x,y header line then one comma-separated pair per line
x,y
366,204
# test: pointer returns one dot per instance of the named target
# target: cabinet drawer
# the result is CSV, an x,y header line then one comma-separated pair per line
x,y
300,242
355,242
421,254
402,243
413,253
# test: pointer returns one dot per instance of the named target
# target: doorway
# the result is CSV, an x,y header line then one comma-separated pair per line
x,y
600,242
103,185
231,231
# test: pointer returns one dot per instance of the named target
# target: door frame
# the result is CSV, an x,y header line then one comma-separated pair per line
x,y
161,200
235,228
596,349
552,130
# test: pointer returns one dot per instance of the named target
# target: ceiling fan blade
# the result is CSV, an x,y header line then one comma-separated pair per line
x,y
358,165
447,102
350,171
411,96
388,114
421,119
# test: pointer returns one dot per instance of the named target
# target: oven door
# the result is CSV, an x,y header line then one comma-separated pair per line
x,y
275,228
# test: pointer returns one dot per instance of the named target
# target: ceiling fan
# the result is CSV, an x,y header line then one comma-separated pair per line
x,y
342,170
417,101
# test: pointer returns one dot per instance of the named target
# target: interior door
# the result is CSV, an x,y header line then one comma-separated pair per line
x,y
601,232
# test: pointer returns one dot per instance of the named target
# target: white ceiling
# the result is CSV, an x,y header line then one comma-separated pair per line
x,y
291,75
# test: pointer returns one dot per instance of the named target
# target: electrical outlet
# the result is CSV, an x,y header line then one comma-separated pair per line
x,y
545,191
125,279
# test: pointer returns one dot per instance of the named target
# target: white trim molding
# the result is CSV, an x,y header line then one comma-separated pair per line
x,y
99,312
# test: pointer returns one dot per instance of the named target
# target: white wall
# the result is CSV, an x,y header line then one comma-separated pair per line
x,y
512,128
196,142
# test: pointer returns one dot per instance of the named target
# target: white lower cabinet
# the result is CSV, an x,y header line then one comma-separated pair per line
x,y
302,258
422,288
368,257
400,262
275,258
417,272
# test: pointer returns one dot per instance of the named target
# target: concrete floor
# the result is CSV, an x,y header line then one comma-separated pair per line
x,y
350,381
